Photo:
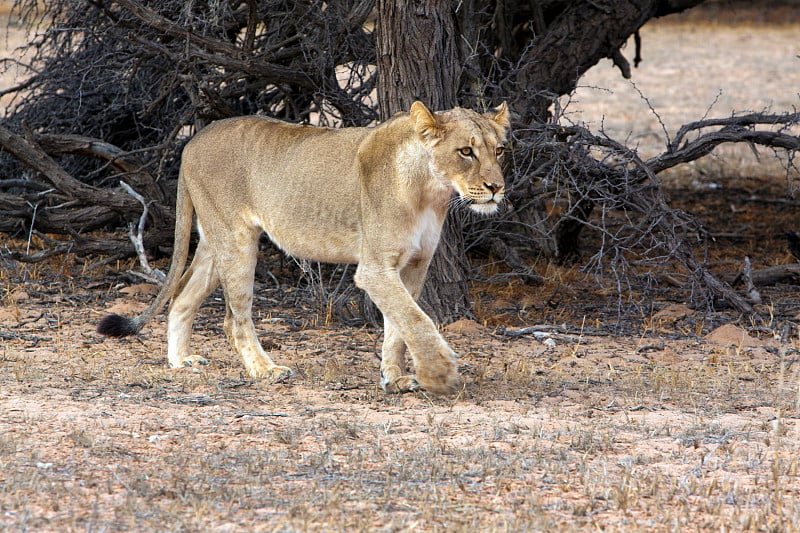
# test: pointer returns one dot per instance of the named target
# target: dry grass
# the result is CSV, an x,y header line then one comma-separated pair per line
x,y
592,432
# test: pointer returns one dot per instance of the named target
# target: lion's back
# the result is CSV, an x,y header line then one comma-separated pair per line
x,y
280,145
298,183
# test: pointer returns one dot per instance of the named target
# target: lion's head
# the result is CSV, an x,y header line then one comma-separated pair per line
x,y
465,148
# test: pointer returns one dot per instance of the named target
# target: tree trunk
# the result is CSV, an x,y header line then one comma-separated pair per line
x,y
417,55
418,60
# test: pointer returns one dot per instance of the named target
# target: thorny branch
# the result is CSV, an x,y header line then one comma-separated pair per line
x,y
603,185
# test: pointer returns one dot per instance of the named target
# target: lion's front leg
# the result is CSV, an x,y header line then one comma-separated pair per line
x,y
435,362
394,378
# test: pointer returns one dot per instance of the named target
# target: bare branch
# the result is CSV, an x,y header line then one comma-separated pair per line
x,y
37,159
733,130
138,241
119,159
736,123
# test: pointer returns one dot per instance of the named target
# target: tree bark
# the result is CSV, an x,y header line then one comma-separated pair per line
x,y
418,59
417,55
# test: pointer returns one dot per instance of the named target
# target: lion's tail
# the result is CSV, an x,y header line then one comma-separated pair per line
x,y
119,326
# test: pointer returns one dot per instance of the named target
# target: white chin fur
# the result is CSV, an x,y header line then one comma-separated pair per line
x,y
487,208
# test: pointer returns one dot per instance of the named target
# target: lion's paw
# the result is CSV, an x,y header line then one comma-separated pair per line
x,y
439,374
272,374
400,385
279,374
443,385
189,361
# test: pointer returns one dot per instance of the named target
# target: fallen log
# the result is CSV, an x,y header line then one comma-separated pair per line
x,y
773,275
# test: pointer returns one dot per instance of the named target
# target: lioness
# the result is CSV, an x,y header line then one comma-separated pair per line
x,y
373,196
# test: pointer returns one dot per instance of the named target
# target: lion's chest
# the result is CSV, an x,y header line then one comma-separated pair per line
x,y
426,234
423,237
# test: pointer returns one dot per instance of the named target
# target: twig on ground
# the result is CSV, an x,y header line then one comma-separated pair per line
x,y
242,415
747,274
151,274
771,275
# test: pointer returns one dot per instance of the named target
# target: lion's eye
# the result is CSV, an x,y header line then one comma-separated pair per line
x,y
499,150
466,151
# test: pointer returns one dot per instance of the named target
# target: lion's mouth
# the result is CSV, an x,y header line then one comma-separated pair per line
x,y
487,207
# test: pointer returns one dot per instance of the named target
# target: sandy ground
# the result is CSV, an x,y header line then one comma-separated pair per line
x,y
562,431
13,68
689,73
690,425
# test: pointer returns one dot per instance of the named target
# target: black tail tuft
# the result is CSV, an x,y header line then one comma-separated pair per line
x,y
118,326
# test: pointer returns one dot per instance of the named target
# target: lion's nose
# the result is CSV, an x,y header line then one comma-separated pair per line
x,y
494,187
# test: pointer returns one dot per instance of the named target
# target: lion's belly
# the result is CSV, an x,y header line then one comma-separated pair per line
x,y
301,236
338,249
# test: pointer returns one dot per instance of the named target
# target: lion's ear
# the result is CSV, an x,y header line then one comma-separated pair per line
x,y
501,115
424,121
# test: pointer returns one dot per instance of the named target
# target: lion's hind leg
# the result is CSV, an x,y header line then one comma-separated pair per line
x,y
199,280
236,264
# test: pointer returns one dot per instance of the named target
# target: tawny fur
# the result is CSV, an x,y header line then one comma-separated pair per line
x,y
372,196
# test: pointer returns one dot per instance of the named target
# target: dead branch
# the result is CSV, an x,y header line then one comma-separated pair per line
x,y
68,205
740,121
42,255
138,241
112,248
738,129
23,184
771,275
747,274
682,248
119,159
58,218
620,183
34,157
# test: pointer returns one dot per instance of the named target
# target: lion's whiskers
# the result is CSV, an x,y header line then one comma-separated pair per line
x,y
457,201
